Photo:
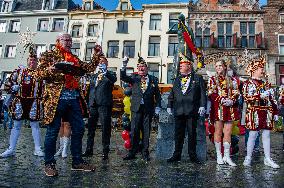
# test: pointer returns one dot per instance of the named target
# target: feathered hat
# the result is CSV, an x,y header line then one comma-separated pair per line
x,y
184,59
255,64
141,61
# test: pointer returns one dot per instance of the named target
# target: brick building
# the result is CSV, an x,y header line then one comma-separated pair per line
x,y
274,33
229,26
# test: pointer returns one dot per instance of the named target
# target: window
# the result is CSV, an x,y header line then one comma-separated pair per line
x,y
202,38
58,24
92,30
10,51
153,69
155,21
170,73
129,49
77,31
247,30
124,6
1,48
75,49
6,6
122,27
40,49
15,26
89,50
51,46
88,6
173,44
281,18
3,25
154,46
225,34
173,19
113,48
46,5
281,45
43,24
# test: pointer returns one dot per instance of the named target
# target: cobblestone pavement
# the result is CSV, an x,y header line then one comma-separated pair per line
x,y
26,170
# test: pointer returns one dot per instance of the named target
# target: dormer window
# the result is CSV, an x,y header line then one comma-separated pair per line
x,y
88,6
46,5
124,6
6,6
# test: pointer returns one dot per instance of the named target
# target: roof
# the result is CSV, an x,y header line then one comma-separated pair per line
x,y
28,5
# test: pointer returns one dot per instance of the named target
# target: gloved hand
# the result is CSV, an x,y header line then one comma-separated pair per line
x,y
169,110
125,62
15,88
157,110
201,111
102,68
264,94
228,102
276,118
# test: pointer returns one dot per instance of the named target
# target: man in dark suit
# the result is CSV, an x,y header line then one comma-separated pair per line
x,y
145,101
100,106
188,100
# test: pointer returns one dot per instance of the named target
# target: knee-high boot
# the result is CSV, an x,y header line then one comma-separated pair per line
x,y
36,137
15,133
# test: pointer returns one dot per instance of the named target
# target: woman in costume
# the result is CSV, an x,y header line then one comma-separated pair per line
x,y
223,93
261,110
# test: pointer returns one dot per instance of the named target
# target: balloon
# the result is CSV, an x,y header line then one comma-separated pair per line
x,y
127,110
125,85
127,144
126,125
126,101
235,130
125,135
128,91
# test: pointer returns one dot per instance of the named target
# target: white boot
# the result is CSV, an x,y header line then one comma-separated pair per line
x,y
227,159
266,148
36,137
247,161
65,146
218,153
270,162
15,133
59,152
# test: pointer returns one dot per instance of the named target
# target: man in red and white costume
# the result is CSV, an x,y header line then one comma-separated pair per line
x,y
261,110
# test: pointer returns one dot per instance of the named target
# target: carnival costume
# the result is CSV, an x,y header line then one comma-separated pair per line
x,y
261,112
26,104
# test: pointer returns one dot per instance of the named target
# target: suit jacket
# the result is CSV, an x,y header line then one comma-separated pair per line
x,y
151,97
101,92
190,102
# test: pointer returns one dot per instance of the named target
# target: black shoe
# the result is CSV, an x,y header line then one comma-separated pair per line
x,y
174,159
105,157
146,157
195,160
88,153
129,157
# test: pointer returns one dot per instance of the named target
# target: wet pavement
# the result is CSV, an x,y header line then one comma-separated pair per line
x,y
26,170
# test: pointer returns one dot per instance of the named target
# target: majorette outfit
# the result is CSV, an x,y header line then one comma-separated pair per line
x,y
26,104
221,88
260,113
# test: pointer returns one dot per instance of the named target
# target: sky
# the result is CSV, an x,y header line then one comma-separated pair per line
x,y
137,4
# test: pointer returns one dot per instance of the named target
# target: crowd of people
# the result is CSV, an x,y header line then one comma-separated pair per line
x,y
52,89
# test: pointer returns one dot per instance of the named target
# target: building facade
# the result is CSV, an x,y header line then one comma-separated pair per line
x,y
274,32
158,48
228,27
45,18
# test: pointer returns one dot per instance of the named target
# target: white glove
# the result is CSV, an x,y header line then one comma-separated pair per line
x,y
201,111
125,62
276,117
103,68
157,110
264,95
15,88
228,102
169,110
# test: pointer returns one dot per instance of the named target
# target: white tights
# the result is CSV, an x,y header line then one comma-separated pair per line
x,y
265,143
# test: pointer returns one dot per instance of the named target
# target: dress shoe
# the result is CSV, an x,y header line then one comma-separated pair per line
x,y
129,157
195,160
105,157
174,159
87,153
